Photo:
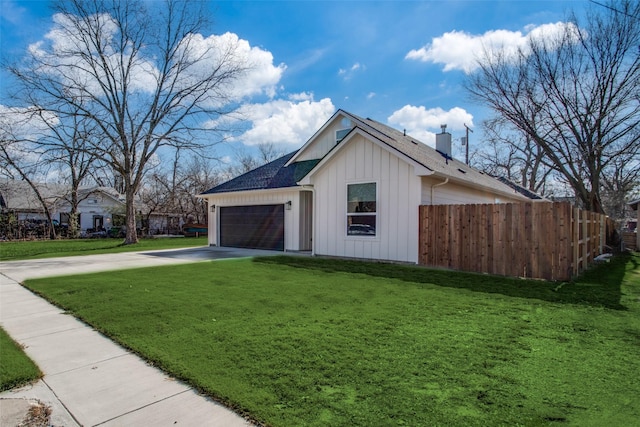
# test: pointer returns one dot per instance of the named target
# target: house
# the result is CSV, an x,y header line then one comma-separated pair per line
x,y
99,208
97,205
352,190
635,205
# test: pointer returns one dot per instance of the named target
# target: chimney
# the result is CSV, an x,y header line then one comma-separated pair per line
x,y
443,142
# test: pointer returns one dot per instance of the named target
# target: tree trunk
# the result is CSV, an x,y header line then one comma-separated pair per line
x,y
130,217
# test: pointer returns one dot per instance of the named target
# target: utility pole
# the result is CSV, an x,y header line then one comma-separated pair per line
x,y
466,142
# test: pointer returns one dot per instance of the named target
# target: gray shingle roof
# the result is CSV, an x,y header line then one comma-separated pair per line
x,y
272,175
19,195
277,174
428,157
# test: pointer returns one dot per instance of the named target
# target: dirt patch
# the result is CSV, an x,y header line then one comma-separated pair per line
x,y
37,416
24,413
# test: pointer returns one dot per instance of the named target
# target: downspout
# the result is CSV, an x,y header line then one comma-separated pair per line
x,y
446,180
313,217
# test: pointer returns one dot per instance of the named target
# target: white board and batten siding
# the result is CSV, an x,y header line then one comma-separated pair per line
x,y
262,197
452,193
398,197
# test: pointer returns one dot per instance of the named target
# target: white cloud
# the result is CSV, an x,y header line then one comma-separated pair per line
x,y
348,73
418,120
302,96
25,123
371,95
260,78
459,50
285,122
57,51
12,12
19,129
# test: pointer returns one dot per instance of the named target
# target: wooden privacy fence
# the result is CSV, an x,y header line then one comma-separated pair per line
x,y
552,241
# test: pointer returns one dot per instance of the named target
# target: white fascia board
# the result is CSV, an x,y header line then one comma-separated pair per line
x,y
244,192
313,137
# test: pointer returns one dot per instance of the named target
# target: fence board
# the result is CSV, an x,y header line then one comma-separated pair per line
x,y
551,241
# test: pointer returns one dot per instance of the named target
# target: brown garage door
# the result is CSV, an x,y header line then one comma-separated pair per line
x,y
255,227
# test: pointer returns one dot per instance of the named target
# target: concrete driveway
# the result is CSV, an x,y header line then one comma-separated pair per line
x,y
89,380
49,267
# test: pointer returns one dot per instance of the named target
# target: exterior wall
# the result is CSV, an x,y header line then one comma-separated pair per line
x,y
398,198
456,194
96,205
306,221
260,197
325,140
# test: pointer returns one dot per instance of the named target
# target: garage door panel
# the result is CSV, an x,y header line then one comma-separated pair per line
x,y
257,227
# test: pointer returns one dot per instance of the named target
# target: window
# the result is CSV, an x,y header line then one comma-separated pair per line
x,y
65,219
361,209
340,134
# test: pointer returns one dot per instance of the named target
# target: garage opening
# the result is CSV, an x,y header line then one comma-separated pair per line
x,y
252,227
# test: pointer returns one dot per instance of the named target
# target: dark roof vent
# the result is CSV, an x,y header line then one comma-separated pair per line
x,y
462,170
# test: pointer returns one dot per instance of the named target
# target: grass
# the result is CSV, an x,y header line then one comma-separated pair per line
x,y
10,251
314,342
16,368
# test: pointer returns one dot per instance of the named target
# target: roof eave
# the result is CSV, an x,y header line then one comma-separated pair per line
x,y
258,190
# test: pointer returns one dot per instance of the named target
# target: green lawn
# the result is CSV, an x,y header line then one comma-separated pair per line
x,y
295,341
10,251
16,368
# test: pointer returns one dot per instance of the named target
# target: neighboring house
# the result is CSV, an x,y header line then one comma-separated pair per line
x,y
97,206
353,190
100,208
635,205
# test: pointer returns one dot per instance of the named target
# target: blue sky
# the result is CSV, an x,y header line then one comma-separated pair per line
x,y
398,62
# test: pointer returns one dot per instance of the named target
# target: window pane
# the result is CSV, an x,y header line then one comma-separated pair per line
x,y
340,134
361,225
361,197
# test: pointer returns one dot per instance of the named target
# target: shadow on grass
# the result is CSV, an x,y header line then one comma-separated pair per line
x,y
598,287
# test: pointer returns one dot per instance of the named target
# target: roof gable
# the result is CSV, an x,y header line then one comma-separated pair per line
x,y
289,170
431,160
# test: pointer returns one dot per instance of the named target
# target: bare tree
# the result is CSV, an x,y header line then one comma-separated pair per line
x,y
141,72
63,144
197,177
245,161
173,191
620,185
574,95
513,155
19,159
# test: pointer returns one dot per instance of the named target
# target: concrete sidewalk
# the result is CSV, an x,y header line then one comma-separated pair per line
x,y
89,380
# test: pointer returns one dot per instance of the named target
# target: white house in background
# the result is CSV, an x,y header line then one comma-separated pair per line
x,y
100,208
97,205
635,205
353,190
